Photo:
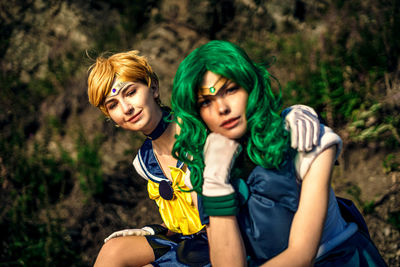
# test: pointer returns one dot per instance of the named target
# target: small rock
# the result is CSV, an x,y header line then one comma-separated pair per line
x,y
386,231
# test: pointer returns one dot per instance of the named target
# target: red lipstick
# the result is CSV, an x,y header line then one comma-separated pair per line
x,y
230,123
135,117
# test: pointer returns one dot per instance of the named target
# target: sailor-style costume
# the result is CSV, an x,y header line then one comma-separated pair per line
x,y
189,247
270,198
265,217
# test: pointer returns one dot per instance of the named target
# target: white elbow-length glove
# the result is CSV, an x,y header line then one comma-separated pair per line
x,y
218,195
152,229
303,123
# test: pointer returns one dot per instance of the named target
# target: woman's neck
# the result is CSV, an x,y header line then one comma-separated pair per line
x,y
163,145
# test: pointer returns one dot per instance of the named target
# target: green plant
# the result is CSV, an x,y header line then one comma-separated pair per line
x,y
355,192
35,235
88,164
394,219
391,163
368,207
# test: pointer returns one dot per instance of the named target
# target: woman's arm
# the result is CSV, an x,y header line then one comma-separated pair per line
x,y
308,222
219,202
225,241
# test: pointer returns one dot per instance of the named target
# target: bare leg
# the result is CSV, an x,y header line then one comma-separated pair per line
x,y
128,251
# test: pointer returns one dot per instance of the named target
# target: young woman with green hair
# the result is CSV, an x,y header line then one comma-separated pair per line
x,y
125,88
259,197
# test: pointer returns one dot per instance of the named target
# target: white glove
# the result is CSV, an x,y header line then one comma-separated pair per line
x,y
303,124
131,232
219,155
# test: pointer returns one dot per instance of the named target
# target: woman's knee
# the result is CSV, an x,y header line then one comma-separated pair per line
x,y
125,251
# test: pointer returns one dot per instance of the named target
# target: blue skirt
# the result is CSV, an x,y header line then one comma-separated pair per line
x,y
180,250
357,251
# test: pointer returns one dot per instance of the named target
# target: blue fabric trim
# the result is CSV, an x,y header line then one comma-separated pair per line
x,y
337,240
285,112
149,163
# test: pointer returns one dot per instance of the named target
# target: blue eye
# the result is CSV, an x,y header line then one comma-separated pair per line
x,y
204,103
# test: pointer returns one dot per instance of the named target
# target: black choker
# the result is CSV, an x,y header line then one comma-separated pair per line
x,y
161,126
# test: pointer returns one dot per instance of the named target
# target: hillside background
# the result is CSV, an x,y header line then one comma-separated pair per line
x,y
65,171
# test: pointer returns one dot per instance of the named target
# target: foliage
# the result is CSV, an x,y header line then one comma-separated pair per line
x,y
339,68
394,219
89,165
367,207
391,163
35,236
39,180
374,124
118,33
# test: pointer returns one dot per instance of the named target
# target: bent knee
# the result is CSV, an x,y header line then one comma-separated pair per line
x,y
125,251
113,247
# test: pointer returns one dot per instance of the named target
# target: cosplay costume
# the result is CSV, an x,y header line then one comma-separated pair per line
x,y
269,199
189,246
343,242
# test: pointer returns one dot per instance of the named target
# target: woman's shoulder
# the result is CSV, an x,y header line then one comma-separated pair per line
x,y
327,138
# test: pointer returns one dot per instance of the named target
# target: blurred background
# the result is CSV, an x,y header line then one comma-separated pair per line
x,y
65,171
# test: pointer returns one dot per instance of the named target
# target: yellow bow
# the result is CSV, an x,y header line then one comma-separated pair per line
x,y
179,214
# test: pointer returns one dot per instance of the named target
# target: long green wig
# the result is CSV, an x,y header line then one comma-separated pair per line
x,y
266,139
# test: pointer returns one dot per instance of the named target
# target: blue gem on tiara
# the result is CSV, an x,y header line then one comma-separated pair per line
x,y
113,90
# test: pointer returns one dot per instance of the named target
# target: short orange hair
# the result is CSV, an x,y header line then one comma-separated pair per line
x,y
127,66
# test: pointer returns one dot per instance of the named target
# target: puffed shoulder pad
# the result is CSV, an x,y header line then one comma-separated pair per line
x,y
327,138
139,168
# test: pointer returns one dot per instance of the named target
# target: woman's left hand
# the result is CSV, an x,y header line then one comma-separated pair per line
x,y
303,123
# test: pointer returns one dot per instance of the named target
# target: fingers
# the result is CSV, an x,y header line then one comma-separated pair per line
x,y
127,232
309,131
219,156
303,133
303,124
294,135
219,149
315,133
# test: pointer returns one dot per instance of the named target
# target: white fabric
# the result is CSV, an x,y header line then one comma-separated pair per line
x,y
219,155
303,123
138,168
130,232
304,160
188,183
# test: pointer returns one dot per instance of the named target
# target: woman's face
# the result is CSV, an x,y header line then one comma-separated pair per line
x,y
132,106
222,104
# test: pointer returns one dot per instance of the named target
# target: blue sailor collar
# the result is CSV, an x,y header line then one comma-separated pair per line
x,y
149,163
